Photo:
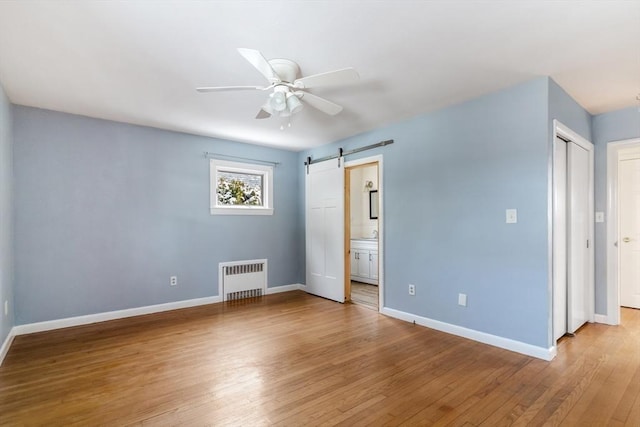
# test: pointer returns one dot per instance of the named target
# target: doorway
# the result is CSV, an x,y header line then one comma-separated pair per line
x,y
363,232
573,295
623,229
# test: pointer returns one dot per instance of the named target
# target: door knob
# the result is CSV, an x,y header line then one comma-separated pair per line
x,y
626,240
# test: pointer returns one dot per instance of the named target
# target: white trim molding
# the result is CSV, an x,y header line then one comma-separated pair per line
x,y
483,337
130,312
119,314
613,284
601,318
111,315
6,345
266,172
285,288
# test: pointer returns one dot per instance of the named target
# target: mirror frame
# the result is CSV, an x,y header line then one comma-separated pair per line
x,y
373,204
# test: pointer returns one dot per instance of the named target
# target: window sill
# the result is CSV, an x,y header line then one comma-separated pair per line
x,y
241,211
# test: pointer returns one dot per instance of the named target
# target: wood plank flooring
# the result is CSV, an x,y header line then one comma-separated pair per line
x,y
292,359
365,294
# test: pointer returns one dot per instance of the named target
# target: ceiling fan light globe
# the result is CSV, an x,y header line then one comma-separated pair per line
x,y
293,103
278,101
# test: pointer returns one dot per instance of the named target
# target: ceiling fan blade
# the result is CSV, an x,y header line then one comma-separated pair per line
x,y
262,114
260,62
229,88
321,104
330,78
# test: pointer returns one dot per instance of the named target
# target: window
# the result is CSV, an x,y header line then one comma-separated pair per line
x,y
241,188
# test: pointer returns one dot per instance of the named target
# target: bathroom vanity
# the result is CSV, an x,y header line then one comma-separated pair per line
x,y
364,260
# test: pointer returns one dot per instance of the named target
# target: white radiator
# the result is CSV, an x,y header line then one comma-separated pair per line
x,y
243,279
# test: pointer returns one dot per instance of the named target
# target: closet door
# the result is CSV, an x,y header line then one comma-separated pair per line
x,y
578,244
559,239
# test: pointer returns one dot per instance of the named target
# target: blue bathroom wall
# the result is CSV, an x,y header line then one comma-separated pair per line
x,y
448,179
106,212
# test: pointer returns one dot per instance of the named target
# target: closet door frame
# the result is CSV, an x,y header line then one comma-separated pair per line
x,y
565,133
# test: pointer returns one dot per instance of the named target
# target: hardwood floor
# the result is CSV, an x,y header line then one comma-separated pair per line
x,y
364,294
294,359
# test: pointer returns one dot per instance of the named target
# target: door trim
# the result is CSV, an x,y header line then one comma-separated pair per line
x,y
563,131
375,159
613,279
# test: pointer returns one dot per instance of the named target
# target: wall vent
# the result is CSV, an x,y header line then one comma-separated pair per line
x,y
243,279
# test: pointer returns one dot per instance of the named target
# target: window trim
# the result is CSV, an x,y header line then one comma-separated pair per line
x,y
216,165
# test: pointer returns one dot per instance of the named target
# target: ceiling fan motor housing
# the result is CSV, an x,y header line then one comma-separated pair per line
x,y
286,69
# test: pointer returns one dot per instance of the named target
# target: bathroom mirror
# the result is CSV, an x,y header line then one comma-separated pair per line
x,y
373,204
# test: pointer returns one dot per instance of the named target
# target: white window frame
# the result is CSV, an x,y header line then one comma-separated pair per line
x,y
216,165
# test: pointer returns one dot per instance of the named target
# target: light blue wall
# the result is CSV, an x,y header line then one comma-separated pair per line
x,y
6,216
448,179
608,127
565,109
106,212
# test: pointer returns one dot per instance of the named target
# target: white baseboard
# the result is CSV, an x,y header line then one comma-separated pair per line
x,y
602,318
6,344
285,288
119,314
130,312
483,337
111,315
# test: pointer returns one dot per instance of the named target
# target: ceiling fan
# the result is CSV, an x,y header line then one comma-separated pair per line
x,y
288,89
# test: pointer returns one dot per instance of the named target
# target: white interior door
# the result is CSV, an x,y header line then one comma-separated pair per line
x,y
629,240
325,229
559,239
578,245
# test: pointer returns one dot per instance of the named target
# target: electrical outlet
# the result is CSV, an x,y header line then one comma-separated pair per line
x,y
412,289
173,281
462,300
6,307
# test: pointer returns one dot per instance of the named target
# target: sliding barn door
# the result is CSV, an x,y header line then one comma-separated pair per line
x,y
325,229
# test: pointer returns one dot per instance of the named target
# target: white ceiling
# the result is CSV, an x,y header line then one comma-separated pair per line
x,y
139,61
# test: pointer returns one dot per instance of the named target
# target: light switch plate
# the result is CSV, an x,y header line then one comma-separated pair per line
x,y
512,216
462,300
599,216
